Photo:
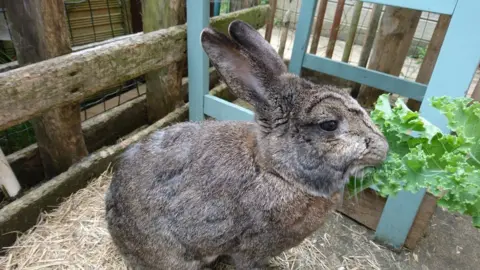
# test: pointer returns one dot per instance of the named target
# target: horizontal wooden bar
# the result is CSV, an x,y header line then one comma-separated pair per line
x,y
435,6
29,91
366,76
221,109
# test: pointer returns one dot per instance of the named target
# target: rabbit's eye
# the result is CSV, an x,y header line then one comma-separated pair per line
x,y
329,125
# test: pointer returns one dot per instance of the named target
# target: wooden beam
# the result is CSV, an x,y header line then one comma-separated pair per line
x,y
353,31
368,43
476,92
99,131
428,64
395,35
284,33
317,32
270,20
73,77
163,85
39,32
337,19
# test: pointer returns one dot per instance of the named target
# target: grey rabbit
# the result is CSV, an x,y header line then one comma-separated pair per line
x,y
196,191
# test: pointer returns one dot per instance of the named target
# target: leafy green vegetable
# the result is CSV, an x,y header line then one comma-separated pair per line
x,y
422,157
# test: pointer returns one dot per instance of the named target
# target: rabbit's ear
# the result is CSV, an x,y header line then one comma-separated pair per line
x,y
251,40
245,76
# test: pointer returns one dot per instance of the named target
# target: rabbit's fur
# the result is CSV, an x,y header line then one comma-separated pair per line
x,y
249,190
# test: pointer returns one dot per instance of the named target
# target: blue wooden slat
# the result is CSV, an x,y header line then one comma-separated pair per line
x,y
365,76
198,16
223,110
435,6
302,35
454,70
216,7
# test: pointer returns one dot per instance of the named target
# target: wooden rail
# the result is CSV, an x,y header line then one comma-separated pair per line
x,y
28,91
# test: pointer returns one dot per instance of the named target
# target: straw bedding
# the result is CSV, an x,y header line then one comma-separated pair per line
x,y
74,236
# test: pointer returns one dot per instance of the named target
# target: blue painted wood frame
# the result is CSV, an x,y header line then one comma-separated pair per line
x,y
216,7
221,109
198,17
380,80
452,75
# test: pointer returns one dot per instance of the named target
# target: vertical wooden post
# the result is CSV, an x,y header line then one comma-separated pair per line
x,y
270,20
476,92
39,32
368,43
8,180
426,69
335,28
395,35
284,33
317,32
353,31
164,85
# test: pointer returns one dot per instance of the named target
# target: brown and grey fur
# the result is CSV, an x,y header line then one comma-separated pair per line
x,y
248,190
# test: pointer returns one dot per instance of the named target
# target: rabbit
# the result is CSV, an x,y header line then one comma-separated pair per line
x,y
194,192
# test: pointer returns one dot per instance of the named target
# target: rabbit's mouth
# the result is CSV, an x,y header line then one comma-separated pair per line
x,y
357,171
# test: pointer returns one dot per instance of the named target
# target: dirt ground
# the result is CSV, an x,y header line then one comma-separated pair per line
x,y
74,236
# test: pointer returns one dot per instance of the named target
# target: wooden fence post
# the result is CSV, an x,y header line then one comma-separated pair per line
x,y
368,43
395,35
317,31
428,64
476,92
284,33
270,20
335,28
39,32
164,85
353,31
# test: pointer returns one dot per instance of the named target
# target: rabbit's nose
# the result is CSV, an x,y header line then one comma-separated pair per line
x,y
368,140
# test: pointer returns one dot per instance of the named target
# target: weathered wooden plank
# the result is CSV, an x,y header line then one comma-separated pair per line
x,y
335,28
476,92
270,20
317,32
352,31
368,43
163,85
395,35
284,33
99,131
39,32
31,90
428,64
